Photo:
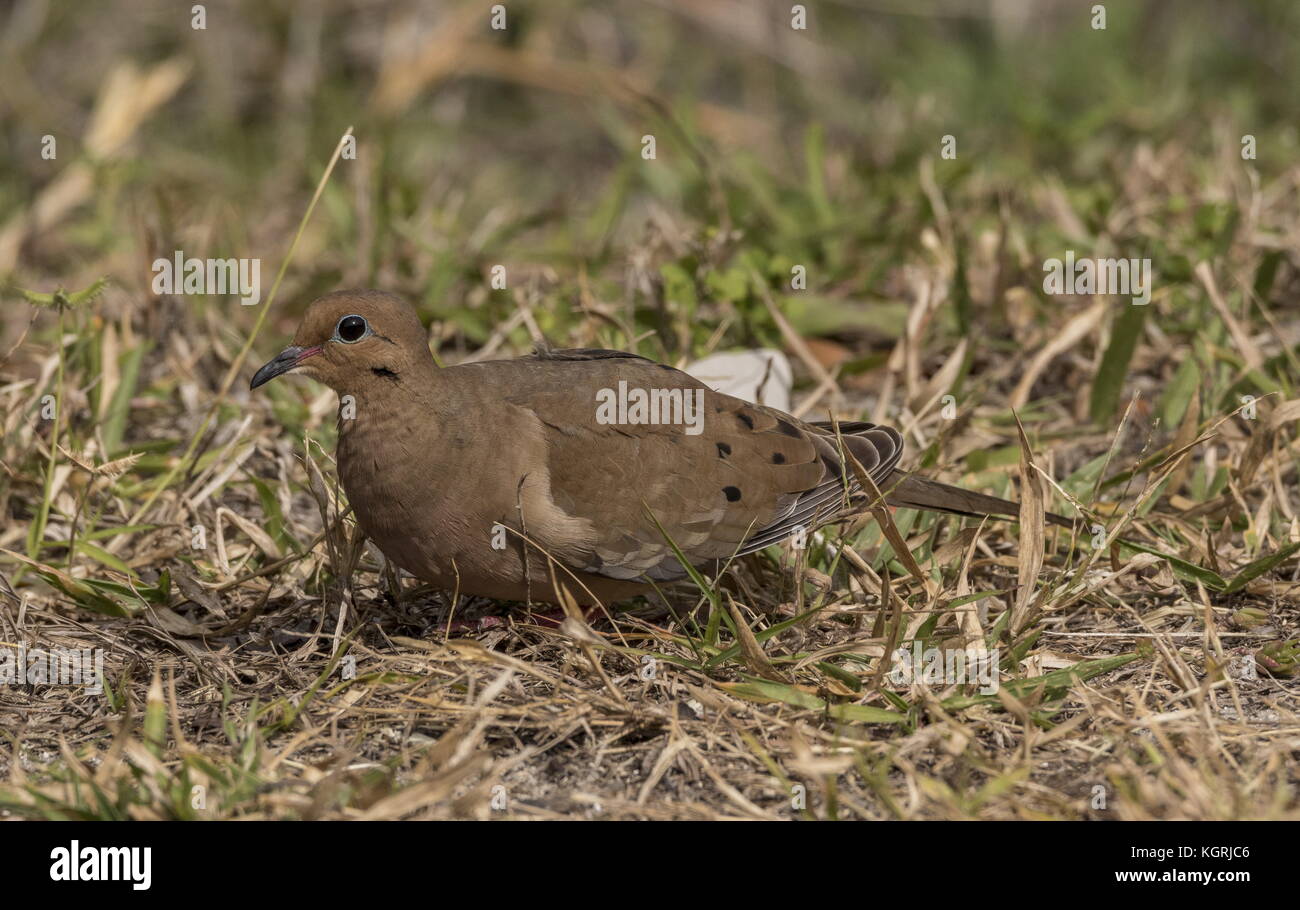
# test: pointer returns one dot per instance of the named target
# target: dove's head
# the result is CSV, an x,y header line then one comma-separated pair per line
x,y
354,340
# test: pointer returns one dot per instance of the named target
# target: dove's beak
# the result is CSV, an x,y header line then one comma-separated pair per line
x,y
288,359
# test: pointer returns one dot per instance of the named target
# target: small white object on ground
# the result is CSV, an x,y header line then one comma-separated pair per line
x,y
759,376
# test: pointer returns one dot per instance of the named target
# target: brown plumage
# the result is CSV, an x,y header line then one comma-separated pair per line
x,y
492,478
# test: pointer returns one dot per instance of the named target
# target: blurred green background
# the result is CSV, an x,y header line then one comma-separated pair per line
x,y
775,147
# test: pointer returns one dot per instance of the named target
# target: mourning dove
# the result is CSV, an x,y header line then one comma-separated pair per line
x,y
503,477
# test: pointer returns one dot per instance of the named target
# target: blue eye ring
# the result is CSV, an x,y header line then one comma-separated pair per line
x,y
352,328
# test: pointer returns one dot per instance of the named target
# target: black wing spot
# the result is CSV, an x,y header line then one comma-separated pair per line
x,y
723,450
732,493
778,458
745,419
788,428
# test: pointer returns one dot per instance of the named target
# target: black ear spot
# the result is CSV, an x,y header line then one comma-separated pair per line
x,y
723,450
732,493
745,419
778,458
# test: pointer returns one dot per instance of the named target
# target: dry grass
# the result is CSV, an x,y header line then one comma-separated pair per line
x,y
282,671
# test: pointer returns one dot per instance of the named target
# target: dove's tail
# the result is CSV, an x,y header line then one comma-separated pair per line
x,y
913,492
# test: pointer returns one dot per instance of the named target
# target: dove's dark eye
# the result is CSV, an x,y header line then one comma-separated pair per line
x,y
352,328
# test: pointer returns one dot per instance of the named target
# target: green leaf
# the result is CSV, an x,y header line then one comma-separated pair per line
x,y
275,525
1259,567
1173,404
841,674
120,407
1181,567
105,533
1108,385
763,690
814,149
1266,272
866,714
1054,684
84,595
105,557
1069,676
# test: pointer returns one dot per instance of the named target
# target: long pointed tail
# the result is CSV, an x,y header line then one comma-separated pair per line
x,y
915,492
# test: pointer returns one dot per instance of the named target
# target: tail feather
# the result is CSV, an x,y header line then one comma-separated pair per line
x,y
911,491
